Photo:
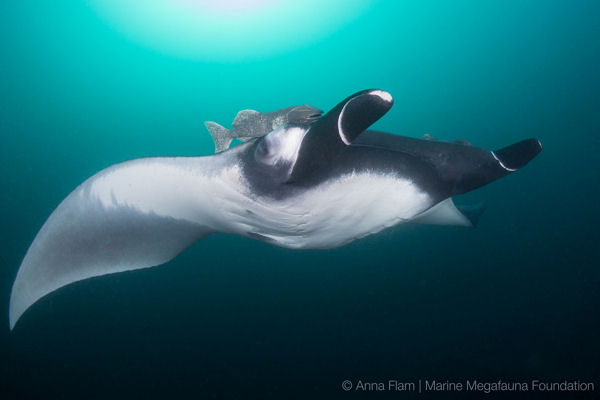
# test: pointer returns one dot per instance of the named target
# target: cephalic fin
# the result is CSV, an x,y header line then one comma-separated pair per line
x,y
329,135
221,136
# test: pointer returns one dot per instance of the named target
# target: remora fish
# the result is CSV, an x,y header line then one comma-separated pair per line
x,y
250,124
304,186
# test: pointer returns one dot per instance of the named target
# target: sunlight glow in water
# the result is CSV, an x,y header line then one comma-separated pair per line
x,y
227,30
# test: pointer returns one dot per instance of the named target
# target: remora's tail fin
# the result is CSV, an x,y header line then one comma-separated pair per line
x,y
221,136
517,155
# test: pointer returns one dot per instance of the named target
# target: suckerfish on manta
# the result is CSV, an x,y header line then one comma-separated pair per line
x,y
316,183
250,124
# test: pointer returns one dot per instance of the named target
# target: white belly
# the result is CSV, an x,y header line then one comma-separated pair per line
x,y
329,215
336,212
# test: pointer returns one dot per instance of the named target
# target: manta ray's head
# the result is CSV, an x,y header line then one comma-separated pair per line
x,y
296,154
300,156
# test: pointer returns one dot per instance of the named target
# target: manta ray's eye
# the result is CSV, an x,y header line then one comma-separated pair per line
x,y
280,146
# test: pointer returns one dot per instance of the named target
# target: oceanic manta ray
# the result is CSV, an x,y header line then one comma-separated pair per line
x,y
313,185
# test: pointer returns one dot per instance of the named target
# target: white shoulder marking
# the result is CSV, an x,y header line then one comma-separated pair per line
x,y
176,188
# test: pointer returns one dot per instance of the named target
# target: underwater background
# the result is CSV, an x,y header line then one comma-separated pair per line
x,y
515,299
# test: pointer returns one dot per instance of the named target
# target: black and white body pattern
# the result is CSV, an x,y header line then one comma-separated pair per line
x,y
317,184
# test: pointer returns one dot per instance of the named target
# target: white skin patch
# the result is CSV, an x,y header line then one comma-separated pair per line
x,y
281,146
331,214
337,212
181,188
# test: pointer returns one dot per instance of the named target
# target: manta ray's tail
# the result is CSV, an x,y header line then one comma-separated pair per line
x,y
221,136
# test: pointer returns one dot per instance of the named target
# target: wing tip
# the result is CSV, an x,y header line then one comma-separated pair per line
x,y
517,155
17,307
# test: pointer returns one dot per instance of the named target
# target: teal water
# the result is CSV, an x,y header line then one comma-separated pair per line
x,y
514,299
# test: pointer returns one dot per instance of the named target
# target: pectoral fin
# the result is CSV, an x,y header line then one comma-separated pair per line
x,y
95,232
446,213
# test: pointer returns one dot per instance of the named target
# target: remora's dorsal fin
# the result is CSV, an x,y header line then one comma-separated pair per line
x,y
339,127
221,136
243,116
